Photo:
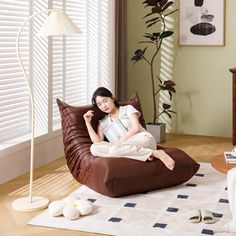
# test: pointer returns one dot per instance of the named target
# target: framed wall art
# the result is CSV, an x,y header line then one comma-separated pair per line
x,y
202,22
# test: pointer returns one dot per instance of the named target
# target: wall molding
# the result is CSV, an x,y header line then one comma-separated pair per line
x,y
17,163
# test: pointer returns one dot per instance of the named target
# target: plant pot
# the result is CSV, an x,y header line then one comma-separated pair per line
x,y
158,131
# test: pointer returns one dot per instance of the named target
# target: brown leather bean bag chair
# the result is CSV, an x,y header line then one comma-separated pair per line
x,y
116,177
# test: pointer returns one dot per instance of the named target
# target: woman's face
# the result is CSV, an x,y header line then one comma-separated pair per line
x,y
105,104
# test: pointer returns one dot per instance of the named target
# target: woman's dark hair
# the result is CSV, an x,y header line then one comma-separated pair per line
x,y
103,92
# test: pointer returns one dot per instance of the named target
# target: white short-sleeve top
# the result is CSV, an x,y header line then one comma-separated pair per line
x,y
118,127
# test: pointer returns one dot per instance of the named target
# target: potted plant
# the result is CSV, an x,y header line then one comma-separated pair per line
x,y
160,9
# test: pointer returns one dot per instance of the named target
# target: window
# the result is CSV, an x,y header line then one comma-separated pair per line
x,y
14,102
68,68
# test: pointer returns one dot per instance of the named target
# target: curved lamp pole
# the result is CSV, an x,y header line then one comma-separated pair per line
x,y
58,24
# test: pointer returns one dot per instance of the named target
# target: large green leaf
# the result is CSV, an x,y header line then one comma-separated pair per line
x,y
169,88
169,82
167,6
166,106
163,3
157,9
151,3
139,54
166,34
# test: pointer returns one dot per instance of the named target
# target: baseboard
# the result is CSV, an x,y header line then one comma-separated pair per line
x,y
17,163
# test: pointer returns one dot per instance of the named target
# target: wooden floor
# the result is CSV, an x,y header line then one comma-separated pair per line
x,y
55,182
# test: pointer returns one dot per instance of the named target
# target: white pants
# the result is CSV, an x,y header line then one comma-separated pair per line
x,y
138,147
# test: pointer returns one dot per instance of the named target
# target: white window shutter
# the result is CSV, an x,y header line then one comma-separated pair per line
x,y
14,102
68,68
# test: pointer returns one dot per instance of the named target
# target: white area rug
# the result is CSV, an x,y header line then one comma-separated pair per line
x,y
161,212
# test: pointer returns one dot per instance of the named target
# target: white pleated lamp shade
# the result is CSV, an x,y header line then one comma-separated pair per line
x,y
58,24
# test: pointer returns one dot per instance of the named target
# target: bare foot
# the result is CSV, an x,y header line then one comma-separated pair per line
x,y
150,158
165,158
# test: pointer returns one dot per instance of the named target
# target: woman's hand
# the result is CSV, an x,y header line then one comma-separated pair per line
x,y
95,137
88,116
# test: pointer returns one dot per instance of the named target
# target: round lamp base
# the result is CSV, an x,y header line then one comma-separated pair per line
x,y
24,204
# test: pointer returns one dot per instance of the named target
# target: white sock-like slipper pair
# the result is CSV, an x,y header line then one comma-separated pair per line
x,y
197,215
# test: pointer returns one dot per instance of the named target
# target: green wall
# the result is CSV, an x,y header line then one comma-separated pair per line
x,y
204,84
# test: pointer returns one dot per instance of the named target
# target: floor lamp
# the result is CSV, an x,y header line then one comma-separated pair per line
x,y
57,24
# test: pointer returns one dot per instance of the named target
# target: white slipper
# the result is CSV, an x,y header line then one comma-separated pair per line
x,y
194,216
207,216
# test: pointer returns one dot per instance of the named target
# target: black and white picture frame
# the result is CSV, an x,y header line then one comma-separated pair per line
x,y
201,22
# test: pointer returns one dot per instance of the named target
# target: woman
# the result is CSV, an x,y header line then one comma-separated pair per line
x,y
126,137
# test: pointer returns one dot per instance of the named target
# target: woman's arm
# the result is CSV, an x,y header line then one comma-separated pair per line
x,y
95,137
135,127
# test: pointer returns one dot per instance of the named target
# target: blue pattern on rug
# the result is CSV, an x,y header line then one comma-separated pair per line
x,y
172,209
92,200
224,200
207,231
182,196
162,212
115,219
160,225
191,185
128,204
217,215
199,175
